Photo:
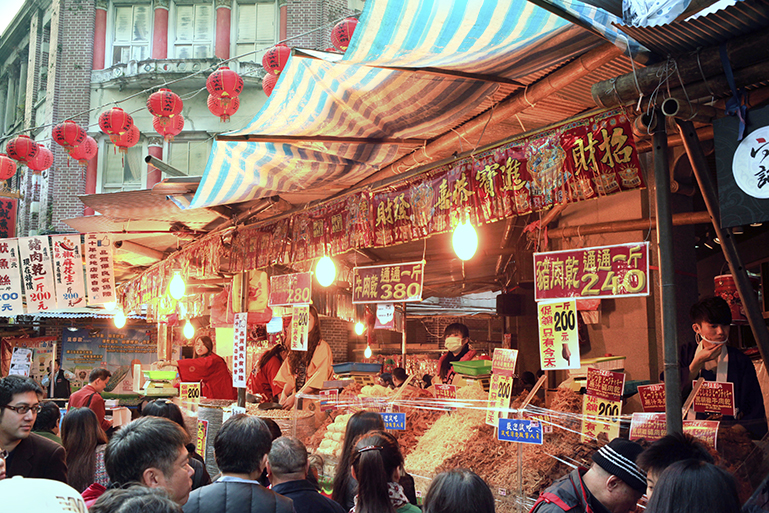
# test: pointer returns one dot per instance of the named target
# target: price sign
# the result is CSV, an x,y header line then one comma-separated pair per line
x,y
649,426
500,392
446,393
545,420
503,361
290,289
189,392
520,430
201,439
397,283
558,338
300,323
605,384
715,397
600,416
652,397
394,421
328,399
705,430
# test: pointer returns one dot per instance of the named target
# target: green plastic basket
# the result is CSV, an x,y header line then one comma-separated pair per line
x,y
472,367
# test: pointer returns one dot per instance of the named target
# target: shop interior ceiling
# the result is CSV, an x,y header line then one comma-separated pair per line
x,y
157,220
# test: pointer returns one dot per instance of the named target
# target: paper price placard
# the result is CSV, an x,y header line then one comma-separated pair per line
x,y
500,392
652,397
520,430
705,430
600,416
715,397
648,426
189,392
503,361
605,384
558,338
202,437
446,393
300,323
239,339
395,421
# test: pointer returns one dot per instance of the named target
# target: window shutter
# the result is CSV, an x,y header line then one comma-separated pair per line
x,y
141,31
203,22
123,17
184,20
246,23
265,22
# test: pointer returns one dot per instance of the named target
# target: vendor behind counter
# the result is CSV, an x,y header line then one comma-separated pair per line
x,y
210,369
456,338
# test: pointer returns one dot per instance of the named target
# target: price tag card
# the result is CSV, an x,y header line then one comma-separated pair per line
x,y
189,392
290,289
558,338
300,323
649,426
715,397
238,410
394,421
328,399
520,430
545,420
600,416
446,393
500,391
503,361
605,384
652,397
202,436
705,430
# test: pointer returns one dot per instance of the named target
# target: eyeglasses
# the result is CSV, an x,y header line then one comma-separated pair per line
x,y
23,409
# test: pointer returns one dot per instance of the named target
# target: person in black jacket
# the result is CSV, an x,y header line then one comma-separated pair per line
x,y
241,447
287,469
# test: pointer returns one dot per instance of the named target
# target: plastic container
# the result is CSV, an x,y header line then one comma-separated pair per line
x,y
345,368
472,367
159,375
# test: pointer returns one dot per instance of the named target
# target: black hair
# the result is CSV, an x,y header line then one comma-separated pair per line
x,y
274,428
81,433
399,373
670,449
713,310
48,417
276,350
241,443
288,455
166,409
135,499
458,491
387,378
295,358
99,373
359,424
208,343
377,455
141,444
528,378
428,380
456,329
693,486
12,385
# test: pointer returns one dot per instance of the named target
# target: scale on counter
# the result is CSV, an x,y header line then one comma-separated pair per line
x,y
158,383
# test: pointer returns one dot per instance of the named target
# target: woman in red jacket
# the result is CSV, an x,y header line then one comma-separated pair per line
x,y
208,368
261,379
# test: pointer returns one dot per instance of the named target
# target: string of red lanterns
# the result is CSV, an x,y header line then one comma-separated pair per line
x,y
42,161
127,139
115,121
218,109
22,148
169,130
165,104
85,151
68,134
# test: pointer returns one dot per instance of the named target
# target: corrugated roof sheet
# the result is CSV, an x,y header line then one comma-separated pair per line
x,y
682,37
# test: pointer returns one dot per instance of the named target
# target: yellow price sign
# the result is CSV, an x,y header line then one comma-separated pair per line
x,y
600,416
201,439
500,393
189,392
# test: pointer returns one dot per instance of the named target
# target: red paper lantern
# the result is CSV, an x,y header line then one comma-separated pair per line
x,y
268,83
224,113
115,121
169,130
127,139
224,83
22,148
42,161
341,34
69,134
85,151
275,58
7,167
164,104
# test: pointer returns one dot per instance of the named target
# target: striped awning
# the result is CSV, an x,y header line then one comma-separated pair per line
x,y
414,70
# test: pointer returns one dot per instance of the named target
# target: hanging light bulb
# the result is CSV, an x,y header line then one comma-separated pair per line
x,y
119,319
110,305
325,271
189,330
177,286
367,352
464,240
359,328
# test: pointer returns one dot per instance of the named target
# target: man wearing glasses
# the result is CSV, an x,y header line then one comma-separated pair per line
x,y
26,454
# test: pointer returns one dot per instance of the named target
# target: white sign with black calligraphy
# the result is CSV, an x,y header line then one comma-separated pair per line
x,y
100,278
68,269
11,303
37,274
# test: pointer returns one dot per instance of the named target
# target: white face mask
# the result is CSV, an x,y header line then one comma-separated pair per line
x,y
715,342
453,343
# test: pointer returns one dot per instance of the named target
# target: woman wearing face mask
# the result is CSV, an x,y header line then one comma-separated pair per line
x,y
457,341
709,357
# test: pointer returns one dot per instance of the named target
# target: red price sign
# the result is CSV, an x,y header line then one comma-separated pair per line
x,y
649,426
605,384
705,430
652,397
446,393
328,399
388,283
503,361
715,397
290,289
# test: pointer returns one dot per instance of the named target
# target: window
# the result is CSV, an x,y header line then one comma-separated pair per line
x,y
189,157
122,171
132,33
194,30
256,29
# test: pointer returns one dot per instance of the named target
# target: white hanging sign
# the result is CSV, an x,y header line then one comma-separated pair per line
x,y
239,350
11,303
100,277
68,270
37,274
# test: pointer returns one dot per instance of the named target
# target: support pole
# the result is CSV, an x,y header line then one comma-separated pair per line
x,y
667,279
728,246
403,339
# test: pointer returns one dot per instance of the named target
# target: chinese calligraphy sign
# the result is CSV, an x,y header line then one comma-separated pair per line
x,y
558,337
100,277
388,283
37,274
68,270
240,335
10,280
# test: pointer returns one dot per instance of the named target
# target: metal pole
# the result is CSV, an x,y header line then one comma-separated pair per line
x,y
728,246
403,339
667,278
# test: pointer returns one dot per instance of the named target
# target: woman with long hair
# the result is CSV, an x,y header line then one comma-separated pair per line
x,y
210,369
376,464
305,371
85,441
261,381
345,486
167,409
694,486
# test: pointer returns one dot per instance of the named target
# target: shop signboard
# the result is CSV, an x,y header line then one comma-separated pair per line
x,y
715,397
68,270
100,277
605,384
705,430
329,399
189,392
37,274
620,270
239,354
599,416
503,361
11,303
202,438
300,323
652,397
558,337
500,393
395,421
290,289
648,426
396,283
519,430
